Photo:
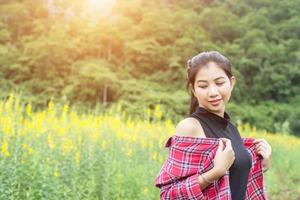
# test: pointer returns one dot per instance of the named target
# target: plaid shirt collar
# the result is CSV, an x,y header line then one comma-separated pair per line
x,y
191,156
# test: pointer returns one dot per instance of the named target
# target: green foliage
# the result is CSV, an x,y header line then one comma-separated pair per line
x,y
270,116
138,53
295,122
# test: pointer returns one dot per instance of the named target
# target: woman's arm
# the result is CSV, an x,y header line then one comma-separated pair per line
x,y
209,177
191,187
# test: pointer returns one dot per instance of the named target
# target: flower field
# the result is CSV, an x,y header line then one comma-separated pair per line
x,y
61,153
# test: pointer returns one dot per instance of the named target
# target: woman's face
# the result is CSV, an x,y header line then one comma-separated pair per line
x,y
213,88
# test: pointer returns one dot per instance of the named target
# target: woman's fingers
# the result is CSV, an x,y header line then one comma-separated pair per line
x,y
261,141
225,146
221,146
227,143
263,149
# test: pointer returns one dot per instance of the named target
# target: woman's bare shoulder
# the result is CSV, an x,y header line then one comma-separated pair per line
x,y
189,127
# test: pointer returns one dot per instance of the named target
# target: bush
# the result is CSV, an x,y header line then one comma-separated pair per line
x,y
294,121
270,116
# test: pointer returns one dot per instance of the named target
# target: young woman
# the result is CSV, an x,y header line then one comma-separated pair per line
x,y
208,159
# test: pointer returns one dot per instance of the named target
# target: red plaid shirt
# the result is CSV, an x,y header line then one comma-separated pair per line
x,y
189,157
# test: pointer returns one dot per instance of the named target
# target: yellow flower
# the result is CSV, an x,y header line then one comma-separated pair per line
x,y
157,112
51,107
151,145
146,190
161,159
61,130
154,156
66,108
240,129
50,142
74,117
24,146
143,143
148,111
77,158
123,114
4,148
103,145
129,152
6,123
9,103
170,126
67,146
30,150
56,173
28,109
119,108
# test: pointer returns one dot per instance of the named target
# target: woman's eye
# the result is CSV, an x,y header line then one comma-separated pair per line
x,y
221,83
202,86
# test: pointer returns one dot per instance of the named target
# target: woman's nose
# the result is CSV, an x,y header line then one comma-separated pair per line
x,y
212,91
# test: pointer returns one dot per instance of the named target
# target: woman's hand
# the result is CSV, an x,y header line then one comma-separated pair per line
x,y
264,149
224,157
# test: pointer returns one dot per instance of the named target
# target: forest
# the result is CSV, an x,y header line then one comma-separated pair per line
x,y
134,54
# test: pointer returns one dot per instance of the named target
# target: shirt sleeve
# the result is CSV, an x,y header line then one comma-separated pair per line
x,y
186,189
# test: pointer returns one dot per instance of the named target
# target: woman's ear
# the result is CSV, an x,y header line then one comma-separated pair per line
x,y
232,82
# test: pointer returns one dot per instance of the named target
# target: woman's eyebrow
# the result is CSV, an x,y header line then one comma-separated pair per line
x,y
216,79
221,77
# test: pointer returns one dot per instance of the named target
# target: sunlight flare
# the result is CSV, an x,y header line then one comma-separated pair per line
x,y
101,7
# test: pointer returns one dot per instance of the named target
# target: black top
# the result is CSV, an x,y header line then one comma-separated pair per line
x,y
215,126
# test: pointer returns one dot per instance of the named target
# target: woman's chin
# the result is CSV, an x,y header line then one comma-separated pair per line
x,y
217,108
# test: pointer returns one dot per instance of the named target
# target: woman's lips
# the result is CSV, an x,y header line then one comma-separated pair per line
x,y
215,102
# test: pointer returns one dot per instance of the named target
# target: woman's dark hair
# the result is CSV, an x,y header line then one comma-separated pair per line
x,y
199,61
